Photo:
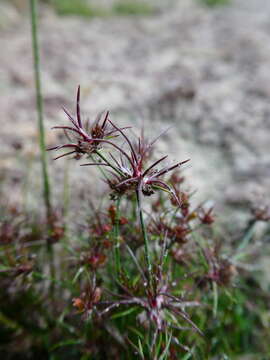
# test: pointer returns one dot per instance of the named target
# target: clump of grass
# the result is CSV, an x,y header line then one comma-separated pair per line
x,y
128,7
77,8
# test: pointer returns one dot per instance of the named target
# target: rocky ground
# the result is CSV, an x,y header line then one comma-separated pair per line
x,y
204,71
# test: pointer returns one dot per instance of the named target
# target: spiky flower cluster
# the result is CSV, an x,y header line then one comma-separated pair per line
x,y
128,169
87,138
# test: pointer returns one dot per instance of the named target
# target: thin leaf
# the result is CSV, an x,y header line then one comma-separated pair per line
x,y
136,331
166,350
78,274
66,343
124,313
140,349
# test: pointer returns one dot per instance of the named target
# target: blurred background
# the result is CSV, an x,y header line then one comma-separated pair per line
x,y
201,66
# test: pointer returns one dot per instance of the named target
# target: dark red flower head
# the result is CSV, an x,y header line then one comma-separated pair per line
x,y
83,137
131,172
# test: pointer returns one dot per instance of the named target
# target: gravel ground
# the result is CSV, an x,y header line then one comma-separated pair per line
x,y
204,71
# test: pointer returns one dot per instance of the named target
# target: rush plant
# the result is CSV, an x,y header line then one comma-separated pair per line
x,y
128,169
165,261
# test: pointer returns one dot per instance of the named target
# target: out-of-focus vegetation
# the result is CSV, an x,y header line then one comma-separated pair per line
x,y
120,7
86,9
132,8
215,2
78,7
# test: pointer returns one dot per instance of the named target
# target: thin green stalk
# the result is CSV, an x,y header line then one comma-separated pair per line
x,y
248,235
108,162
215,299
145,238
39,106
117,238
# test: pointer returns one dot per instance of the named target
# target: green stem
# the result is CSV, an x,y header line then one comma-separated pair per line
x,y
117,238
108,162
215,299
248,235
42,146
145,238
39,106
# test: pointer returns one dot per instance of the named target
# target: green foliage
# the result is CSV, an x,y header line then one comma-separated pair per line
x,y
215,2
77,8
85,9
127,7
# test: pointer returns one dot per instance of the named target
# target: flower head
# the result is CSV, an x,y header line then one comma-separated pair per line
x,y
88,300
83,137
130,170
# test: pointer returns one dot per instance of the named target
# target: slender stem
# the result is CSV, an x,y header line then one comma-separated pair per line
x,y
145,238
39,106
42,147
108,162
116,238
215,299
248,235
